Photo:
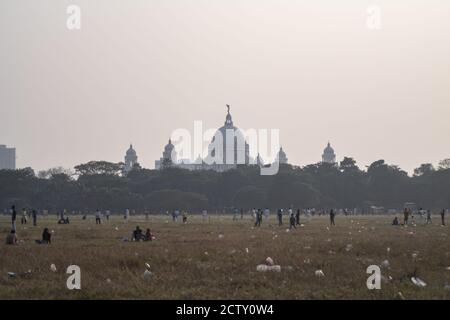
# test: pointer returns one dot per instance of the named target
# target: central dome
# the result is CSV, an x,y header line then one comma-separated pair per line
x,y
238,148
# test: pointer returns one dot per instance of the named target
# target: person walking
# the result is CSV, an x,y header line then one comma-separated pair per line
x,y
292,221
297,217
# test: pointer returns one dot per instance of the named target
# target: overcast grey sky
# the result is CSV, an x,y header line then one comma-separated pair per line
x,y
139,69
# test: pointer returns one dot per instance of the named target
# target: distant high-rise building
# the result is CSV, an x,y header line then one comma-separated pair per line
x,y
7,158
328,155
130,159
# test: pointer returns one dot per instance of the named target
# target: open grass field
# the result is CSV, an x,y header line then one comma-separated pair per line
x,y
217,259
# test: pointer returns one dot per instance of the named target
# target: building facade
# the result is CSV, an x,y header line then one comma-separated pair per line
x,y
7,158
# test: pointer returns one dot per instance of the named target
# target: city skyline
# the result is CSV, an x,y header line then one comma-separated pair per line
x,y
135,72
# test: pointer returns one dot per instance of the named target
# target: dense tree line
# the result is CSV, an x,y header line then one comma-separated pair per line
x,y
102,185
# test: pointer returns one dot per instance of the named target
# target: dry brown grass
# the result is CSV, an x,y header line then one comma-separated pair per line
x,y
182,269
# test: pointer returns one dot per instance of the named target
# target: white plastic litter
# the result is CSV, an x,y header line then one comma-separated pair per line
x,y
108,280
265,268
147,275
147,265
418,282
269,261
414,255
388,249
220,236
319,273
12,274
246,250
53,267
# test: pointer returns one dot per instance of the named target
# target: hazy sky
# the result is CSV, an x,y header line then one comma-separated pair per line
x,y
139,69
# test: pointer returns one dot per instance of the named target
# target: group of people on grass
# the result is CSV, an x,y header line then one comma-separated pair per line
x,y
407,213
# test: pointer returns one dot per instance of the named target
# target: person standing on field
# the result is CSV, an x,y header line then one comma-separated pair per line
x,y
428,216
34,216
292,221
13,217
405,216
98,217
443,217
332,215
297,217
280,216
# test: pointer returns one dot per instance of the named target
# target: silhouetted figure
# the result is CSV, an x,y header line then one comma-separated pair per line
x,y
405,216
258,218
280,216
395,222
242,214
34,216
13,217
137,234
443,217
297,217
46,237
184,217
332,215
292,221
108,213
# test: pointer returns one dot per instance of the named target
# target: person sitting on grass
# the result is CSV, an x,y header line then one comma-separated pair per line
x,y
137,234
148,236
395,222
11,238
46,237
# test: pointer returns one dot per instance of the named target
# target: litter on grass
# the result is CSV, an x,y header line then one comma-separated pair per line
x,y
418,282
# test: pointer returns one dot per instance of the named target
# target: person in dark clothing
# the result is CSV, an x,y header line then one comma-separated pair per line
x,y
13,217
280,216
443,217
332,215
428,216
297,217
292,221
405,216
46,237
242,214
395,222
137,234
34,216
258,218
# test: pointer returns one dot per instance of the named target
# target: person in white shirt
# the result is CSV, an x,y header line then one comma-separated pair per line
x,y
98,217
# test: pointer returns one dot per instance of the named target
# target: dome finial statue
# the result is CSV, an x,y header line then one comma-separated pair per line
x,y
228,107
